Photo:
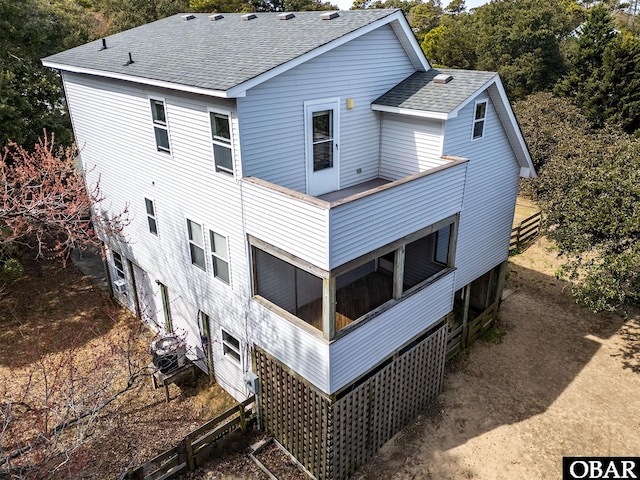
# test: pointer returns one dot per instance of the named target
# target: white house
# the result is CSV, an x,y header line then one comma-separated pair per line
x,y
310,201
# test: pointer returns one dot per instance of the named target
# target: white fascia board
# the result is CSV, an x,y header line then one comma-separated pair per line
x,y
241,89
141,80
410,45
411,112
528,168
470,98
526,172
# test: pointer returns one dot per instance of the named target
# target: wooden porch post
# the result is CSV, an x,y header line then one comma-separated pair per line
x,y
329,307
500,286
465,316
398,272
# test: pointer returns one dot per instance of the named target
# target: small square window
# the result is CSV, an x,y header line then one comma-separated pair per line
x,y
231,347
151,216
479,119
219,256
196,244
160,125
221,139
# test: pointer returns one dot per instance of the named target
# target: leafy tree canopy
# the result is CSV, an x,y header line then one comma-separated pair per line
x,y
604,74
589,189
520,39
31,97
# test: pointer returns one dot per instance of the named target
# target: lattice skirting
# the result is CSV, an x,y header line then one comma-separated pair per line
x,y
332,436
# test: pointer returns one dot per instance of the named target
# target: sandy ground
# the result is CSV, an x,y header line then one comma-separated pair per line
x,y
561,382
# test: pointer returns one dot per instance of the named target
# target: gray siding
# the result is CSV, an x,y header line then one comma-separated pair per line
x,y
409,145
113,127
490,194
272,114
368,345
294,225
371,222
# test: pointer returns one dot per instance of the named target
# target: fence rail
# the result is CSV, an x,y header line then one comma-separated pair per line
x,y
465,334
191,451
526,231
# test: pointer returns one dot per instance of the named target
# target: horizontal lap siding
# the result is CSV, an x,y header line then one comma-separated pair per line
x,y
490,195
365,347
371,222
272,114
113,127
292,225
409,145
304,353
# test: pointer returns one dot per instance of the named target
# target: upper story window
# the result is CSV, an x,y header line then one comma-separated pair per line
x,y
151,216
196,244
219,256
160,128
479,119
221,139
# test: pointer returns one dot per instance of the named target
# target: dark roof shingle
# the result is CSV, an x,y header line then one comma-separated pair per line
x,y
419,92
216,55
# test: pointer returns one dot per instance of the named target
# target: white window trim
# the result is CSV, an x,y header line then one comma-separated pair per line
x,y
154,125
120,273
229,114
237,362
155,214
483,119
204,242
212,253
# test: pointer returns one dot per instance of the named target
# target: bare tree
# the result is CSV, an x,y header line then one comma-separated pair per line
x,y
46,205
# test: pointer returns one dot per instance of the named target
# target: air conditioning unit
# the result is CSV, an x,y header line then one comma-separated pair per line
x,y
169,353
120,286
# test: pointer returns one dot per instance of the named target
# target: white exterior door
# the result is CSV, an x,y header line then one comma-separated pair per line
x,y
322,135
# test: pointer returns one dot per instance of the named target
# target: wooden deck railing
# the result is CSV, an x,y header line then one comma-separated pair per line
x,y
192,450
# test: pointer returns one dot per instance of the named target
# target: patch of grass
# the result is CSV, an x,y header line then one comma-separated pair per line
x,y
209,400
494,334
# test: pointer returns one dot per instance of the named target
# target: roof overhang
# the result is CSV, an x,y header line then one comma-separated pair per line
x,y
399,25
135,79
432,114
396,20
505,113
512,128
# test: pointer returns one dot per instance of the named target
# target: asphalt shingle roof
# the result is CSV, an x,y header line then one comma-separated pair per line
x,y
215,55
419,92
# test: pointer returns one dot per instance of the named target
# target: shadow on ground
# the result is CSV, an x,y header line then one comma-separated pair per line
x,y
50,309
549,341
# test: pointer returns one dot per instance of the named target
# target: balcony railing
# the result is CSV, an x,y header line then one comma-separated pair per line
x,y
327,234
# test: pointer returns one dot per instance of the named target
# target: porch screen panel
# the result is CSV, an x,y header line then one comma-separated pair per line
x,y
275,281
296,291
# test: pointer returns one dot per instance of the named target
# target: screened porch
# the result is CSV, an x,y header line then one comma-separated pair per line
x,y
358,290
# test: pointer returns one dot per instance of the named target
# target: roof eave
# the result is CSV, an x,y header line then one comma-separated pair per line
x,y
411,112
400,26
142,80
527,170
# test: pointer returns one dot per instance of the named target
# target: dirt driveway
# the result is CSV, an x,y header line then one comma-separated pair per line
x,y
562,382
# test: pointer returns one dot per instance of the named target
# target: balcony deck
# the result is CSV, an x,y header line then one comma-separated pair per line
x,y
333,229
344,193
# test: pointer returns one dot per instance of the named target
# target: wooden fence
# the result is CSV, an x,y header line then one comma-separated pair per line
x,y
193,449
465,334
332,436
526,231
